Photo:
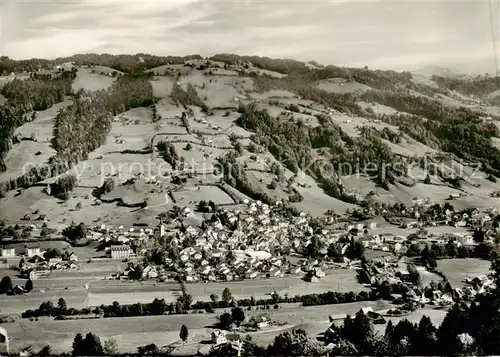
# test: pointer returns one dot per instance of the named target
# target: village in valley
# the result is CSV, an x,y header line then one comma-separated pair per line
x,y
260,242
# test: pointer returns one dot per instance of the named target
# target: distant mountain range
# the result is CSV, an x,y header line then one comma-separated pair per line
x,y
430,71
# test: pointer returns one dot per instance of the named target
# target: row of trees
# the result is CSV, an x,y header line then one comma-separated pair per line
x,y
63,186
169,153
185,97
429,254
185,302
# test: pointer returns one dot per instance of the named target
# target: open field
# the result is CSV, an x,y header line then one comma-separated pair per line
x,y
162,86
131,332
341,85
24,156
6,79
457,269
82,252
121,167
202,193
220,91
125,130
199,157
316,201
43,123
128,292
340,280
92,80
60,214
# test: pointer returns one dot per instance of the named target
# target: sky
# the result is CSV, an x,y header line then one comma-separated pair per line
x,y
398,35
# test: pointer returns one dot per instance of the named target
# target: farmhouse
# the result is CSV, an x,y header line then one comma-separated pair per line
x,y
219,337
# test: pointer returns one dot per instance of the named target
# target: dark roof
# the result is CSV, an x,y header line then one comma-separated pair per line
x,y
117,248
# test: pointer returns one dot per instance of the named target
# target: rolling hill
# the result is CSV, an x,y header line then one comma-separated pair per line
x,y
182,130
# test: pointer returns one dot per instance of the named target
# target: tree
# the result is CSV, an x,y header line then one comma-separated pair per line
x,y
426,340
150,350
6,285
359,331
454,323
29,285
78,348
295,343
110,347
250,349
483,250
238,315
92,345
226,321
45,351
355,250
214,298
334,251
75,232
184,333
478,235
314,247
227,296
188,147
466,344
414,274
62,306
451,249
273,185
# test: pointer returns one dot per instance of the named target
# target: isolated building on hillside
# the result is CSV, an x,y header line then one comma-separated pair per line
x,y
120,251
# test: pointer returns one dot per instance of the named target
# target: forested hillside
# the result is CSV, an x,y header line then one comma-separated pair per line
x,y
417,112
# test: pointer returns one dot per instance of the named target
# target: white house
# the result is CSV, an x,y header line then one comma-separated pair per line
x,y
32,251
319,273
8,252
150,272
33,275
120,251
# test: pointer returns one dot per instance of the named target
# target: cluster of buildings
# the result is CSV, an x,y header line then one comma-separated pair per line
x,y
38,266
249,243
